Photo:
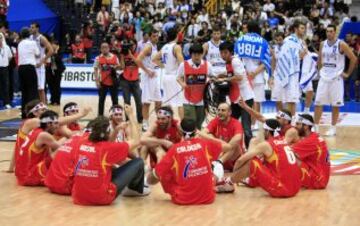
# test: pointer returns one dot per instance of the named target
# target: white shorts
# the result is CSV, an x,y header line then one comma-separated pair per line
x,y
292,91
330,93
150,88
172,91
277,92
40,71
259,91
308,87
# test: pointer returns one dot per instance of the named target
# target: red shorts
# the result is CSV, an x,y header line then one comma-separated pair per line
x,y
268,180
36,175
311,179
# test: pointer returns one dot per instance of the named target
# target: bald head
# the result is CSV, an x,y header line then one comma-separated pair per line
x,y
224,112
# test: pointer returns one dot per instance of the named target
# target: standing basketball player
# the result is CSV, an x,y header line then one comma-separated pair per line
x,y
150,81
170,57
331,64
277,91
212,52
294,48
185,171
46,52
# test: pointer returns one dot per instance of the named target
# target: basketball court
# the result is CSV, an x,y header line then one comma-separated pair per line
x,y
339,204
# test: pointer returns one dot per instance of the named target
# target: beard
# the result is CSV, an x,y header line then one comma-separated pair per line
x,y
163,126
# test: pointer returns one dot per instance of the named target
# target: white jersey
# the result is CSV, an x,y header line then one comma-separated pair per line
x,y
213,56
37,39
169,60
251,65
147,60
333,61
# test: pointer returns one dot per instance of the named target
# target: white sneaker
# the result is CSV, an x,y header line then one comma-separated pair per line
x,y
127,192
8,106
145,126
225,186
331,132
218,170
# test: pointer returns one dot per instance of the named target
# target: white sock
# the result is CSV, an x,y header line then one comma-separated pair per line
x,y
306,110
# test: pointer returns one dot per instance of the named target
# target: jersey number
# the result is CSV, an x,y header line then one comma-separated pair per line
x,y
290,155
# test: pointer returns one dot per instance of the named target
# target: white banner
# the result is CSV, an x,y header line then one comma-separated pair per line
x,y
78,76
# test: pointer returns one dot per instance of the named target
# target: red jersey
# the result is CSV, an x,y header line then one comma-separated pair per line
x,y
315,166
284,129
131,70
195,79
59,178
105,64
234,88
172,133
33,162
185,171
21,136
93,171
78,50
279,175
74,126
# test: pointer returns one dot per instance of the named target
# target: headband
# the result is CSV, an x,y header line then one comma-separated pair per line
x,y
37,107
72,108
302,120
164,113
283,115
49,119
115,110
276,130
187,134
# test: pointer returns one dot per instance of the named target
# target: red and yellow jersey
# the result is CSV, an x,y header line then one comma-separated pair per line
x,y
185,172
21,136
74,126
59,178
282,163
93,171
226,131
314,155
33,162
172,133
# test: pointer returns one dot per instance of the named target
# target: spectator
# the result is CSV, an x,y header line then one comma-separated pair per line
x,y
130,82
193,29
87,37
56,68
115,9
4,4
269,6
103,19
78,51
204,34
203,17
5,57
105,64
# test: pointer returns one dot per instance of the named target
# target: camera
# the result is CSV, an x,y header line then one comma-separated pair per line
x,y
125,47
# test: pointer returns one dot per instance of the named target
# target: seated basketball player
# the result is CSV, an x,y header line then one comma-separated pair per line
x,y
59,178
284,117
185,171
116,116
35,154
278,172
72,108
312,153
33,111
162,134
226,128
95,180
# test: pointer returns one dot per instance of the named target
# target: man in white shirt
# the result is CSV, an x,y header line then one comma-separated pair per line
x,y
5,56
268,6
115,8
27,51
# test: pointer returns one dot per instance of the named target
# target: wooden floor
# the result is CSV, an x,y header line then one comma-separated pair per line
x,y
339,204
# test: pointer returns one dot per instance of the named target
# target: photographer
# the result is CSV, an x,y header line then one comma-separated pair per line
x,y
129,82
105,71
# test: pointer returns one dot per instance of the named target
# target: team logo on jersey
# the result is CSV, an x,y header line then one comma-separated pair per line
x,y
83,161
191,162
